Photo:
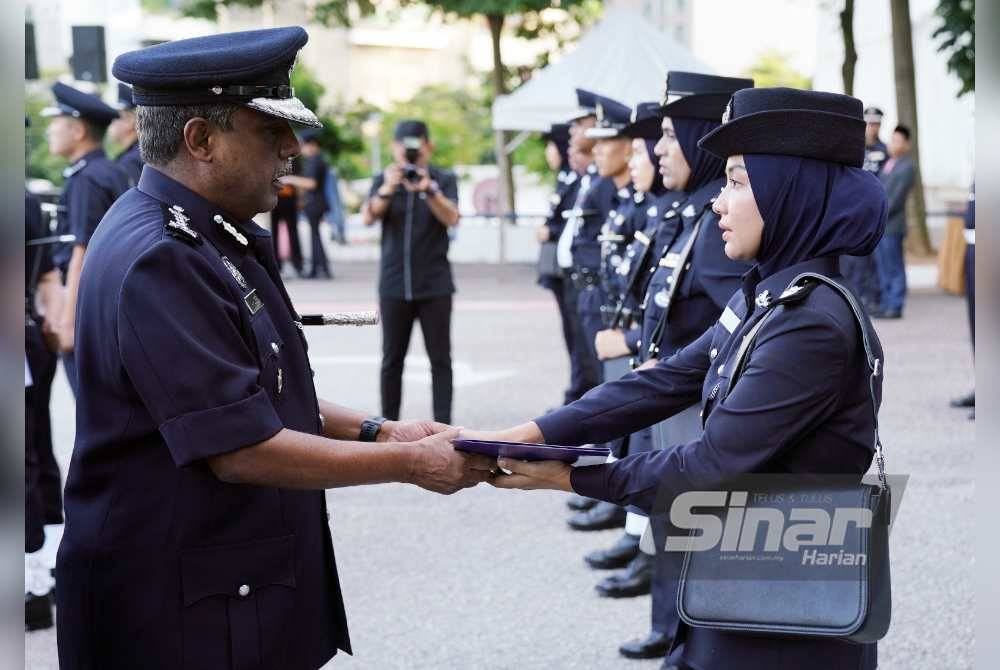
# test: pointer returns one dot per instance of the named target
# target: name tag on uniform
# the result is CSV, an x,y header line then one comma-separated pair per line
x,y
670,260
253,301
729,320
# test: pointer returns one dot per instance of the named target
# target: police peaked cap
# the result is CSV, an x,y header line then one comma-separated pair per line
x,y
791,122
612,116
693,95
250,68
645,122
74,102
124,101
587,103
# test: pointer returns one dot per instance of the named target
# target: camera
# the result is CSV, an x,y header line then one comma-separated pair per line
x,y
412,147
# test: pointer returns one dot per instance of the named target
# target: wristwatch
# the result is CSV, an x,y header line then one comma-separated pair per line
x,y
433,189
370,428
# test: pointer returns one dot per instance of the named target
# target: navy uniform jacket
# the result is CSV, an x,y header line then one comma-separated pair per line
x,y
616,234
130,161
602,197
875,156
802,405
707,280
560,202
188,348
92,184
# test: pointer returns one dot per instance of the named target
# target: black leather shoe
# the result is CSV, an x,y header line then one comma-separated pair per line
x,y
601,516
37,612
965,401
634,581
655,645
616,556
579,503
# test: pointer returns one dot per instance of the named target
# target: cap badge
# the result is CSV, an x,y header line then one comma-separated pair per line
x,y
726,115
217,90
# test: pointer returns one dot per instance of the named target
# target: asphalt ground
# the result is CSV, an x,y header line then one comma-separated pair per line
x,y
494,579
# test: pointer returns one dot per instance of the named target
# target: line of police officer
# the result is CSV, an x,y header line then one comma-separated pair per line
x,y
78,124
644,257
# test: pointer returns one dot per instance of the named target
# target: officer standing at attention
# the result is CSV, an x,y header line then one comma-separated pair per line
x,y
197,534
416,203
567,182
592,255
861,272
122,132
76,131
802,401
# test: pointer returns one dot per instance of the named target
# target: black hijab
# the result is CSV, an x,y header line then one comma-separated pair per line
x,y
704,166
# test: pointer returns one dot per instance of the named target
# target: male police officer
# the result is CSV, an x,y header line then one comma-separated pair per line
x,y
197,534
76,131
416,203
122,131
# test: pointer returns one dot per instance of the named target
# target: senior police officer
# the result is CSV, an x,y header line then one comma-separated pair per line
x,y
122,131
197,533
806,395
76,131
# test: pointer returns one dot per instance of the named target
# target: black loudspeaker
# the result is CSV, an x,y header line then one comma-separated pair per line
x,y
88,60
30,57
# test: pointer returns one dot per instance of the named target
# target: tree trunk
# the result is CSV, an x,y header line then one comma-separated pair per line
x,y
850,53
906,105
505,198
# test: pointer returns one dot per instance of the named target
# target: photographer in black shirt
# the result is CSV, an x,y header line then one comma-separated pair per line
x,y
416,204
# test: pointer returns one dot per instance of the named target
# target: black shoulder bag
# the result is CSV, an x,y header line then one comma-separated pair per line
x,y
826,575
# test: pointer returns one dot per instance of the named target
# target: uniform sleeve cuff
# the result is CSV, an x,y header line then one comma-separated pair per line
x,y
205,433
560,427
590,481
632,339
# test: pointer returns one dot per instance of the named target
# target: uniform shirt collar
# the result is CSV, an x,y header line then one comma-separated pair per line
x,y
757,290
201,212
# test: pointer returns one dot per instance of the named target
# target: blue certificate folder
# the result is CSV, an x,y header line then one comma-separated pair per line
x,y
523,451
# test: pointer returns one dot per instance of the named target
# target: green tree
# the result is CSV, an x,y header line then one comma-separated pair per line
x,y
40,163
773,69
958,39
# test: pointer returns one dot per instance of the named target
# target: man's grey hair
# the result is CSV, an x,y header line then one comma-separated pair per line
x,y
161,129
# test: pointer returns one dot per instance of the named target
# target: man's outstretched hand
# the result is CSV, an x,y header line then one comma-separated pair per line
x,y
409,431
438,467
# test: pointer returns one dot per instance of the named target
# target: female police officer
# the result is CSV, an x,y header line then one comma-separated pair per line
x,y
795,200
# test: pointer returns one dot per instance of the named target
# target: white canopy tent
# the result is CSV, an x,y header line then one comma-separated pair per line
x,y
622,56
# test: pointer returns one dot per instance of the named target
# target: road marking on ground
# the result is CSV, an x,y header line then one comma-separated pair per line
x,y
418,369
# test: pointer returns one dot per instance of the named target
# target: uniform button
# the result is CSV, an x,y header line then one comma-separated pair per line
x,y
721,368
687,267
244,590
712,354
670,279
274,347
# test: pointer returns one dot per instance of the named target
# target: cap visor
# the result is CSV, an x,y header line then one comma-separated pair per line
x,y
601,133
290,109
649,128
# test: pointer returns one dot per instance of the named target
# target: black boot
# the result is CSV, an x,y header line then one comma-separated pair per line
x,y
37,612
601,516
635,580
616,556
579,503
655,645
965,401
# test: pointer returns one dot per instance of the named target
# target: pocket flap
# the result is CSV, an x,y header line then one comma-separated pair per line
x,y
223,570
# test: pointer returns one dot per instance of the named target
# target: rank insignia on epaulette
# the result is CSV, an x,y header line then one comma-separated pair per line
x,y
763,298
231,229
178,226
237,275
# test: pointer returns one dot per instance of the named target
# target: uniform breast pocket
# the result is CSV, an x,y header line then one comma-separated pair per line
x,y
270,351
239,602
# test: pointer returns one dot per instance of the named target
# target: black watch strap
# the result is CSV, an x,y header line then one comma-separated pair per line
x,y
370,428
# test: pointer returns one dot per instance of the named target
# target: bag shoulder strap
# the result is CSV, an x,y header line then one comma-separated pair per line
x,y
796,291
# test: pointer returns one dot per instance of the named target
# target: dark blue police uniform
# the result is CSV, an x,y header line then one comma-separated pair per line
x,y
802,404
92,183
129,160
190,348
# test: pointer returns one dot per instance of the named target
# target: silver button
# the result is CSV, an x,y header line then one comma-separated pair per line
x,y
670,279
274,347
712,354
687,267
244,591
721,368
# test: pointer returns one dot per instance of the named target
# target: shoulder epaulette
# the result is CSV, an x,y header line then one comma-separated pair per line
x,y
175,222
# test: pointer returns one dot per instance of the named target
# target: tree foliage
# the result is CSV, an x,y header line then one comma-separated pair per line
x,y
326,12
957,33
773,69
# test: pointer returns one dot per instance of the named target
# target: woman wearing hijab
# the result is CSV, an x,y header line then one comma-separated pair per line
x,y
796,199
